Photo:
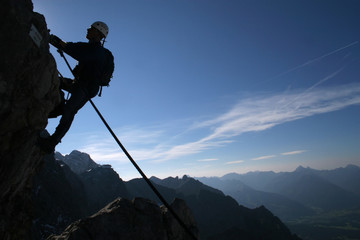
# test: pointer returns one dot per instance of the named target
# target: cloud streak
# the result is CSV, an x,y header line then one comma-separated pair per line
x,y
235,162
264,157
208,160
293,152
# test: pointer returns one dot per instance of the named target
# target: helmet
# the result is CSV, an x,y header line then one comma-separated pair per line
x,y
102,27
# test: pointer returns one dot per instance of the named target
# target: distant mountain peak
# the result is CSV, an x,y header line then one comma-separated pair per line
x,y
352,166
79,162
301,169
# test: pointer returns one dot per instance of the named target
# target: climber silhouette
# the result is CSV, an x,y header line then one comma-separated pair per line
x,y
93,61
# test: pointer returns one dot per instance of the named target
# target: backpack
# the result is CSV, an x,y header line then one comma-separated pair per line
x,y
108,71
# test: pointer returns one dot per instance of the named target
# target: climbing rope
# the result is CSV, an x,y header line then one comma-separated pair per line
x,y
68,94
151,185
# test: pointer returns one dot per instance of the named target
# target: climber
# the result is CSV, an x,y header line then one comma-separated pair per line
x,y
93,60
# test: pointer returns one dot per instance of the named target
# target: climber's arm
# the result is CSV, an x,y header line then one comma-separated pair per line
x,y
57,42
78,50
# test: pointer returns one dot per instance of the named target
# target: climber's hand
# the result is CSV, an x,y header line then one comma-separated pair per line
x,y
56,41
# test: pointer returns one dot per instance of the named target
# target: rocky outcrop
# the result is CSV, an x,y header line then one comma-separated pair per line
x,y
174,230
28,92
139,219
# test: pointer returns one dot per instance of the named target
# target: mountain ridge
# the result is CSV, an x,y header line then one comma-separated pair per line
x,y
305,184
280,205
201,198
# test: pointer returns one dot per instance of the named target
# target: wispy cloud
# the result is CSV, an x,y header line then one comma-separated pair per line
x,y
235,162
208,160
104,153
189,149
134,134
293,152
264,157
261,113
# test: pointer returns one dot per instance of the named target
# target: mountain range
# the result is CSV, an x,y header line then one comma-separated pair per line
x,y
281,206
228,207
312,191
218,216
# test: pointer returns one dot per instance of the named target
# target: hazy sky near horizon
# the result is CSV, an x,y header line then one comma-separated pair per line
x,y
208,87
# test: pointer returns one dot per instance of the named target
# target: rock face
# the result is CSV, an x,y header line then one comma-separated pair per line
x,y
139,219
102,185
28,92
59,199
61,196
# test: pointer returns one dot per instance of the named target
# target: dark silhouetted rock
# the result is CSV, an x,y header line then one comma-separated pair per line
x,y
139,219
28,92
174,230
62,196
218,216
59,199
139,188
102,186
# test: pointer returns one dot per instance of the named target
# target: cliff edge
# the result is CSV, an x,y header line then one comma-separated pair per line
x,y
140,218
28,92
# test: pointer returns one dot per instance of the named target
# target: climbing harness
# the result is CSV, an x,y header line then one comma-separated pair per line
x,y
151,185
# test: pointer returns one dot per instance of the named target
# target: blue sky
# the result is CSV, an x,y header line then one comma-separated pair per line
x,y
205,88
